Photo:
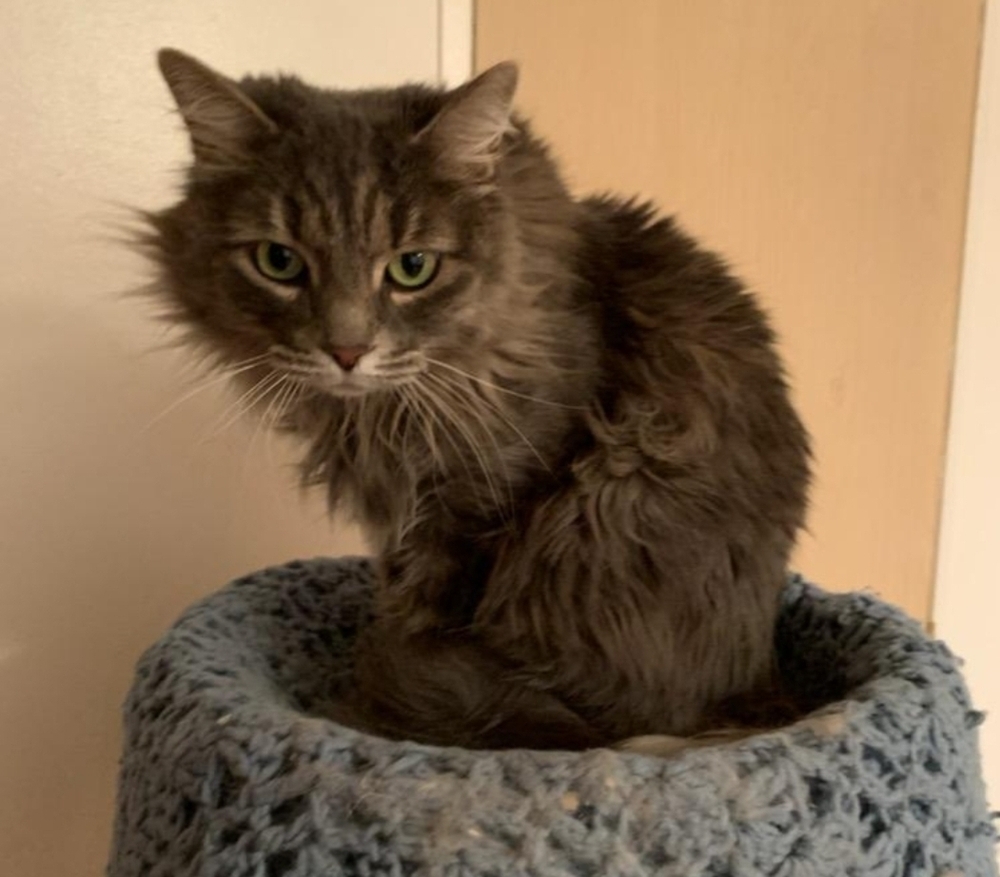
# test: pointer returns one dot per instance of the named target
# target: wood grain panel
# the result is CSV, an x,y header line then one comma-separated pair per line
x,y
823,147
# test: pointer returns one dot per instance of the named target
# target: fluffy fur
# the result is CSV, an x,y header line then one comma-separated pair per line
x,y
574,449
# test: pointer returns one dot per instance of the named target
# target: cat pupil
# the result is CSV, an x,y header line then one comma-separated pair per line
x,y
413,263
280,257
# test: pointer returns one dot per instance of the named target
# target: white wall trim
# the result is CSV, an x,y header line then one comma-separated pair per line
x,y
967,593
455,28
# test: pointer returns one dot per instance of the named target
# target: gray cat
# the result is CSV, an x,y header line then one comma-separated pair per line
x,y
563,423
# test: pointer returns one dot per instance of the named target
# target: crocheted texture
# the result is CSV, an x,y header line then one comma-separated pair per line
x,y
229,768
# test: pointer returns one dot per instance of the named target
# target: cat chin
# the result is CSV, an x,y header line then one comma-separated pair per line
x,y
351,390
353,386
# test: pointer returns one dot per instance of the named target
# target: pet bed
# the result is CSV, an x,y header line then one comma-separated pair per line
x,y
230,770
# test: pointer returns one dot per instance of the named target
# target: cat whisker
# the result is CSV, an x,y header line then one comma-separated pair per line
x,y
437,405
244,403
499,413
212,380
284,400
295,393
295,361
460,395
401,410
445,398
498,388
276,411
277,388
400,374
296,367
426,419
404,408
411,362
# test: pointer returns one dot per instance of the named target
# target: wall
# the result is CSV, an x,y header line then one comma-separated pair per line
x,y
823,147
112,519
967,604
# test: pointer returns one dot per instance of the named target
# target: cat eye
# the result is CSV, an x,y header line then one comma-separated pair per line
x,y
278,262
413,270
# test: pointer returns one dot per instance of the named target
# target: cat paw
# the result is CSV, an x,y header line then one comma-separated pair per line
x,y
665,746
658,745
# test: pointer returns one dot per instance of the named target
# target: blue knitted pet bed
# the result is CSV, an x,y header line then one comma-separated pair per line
x,y
230,769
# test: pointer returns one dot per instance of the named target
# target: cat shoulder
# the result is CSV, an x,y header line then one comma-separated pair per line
x,y
687,346
663,294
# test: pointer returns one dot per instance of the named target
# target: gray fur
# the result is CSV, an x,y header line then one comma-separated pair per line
x,y
574,449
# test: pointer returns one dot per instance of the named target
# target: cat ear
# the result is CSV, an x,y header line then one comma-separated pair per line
x,y
467,132
220,118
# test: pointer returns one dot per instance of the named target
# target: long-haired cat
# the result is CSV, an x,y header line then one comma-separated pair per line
x,y
563,423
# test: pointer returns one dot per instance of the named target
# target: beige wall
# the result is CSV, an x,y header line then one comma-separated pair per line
x,y
109,526
967,605
823,147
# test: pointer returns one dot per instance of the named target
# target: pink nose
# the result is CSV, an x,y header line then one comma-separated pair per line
x,y
347,357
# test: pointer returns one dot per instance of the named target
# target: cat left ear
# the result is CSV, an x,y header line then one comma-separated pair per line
x,y
221,119
467,132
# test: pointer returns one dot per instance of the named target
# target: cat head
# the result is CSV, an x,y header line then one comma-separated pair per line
x,y
345,239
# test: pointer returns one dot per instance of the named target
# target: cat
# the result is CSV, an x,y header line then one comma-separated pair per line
x,y
563,423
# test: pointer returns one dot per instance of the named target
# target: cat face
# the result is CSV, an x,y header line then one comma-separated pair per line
x,y
345,240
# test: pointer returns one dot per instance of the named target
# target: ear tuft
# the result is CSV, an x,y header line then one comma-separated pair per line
x,y
469,129
220,118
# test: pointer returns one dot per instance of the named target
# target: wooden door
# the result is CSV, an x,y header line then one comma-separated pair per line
x,y
823,147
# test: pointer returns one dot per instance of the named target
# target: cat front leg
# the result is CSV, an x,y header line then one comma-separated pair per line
x,y
449,689
429,583
420,672
413,590
432,571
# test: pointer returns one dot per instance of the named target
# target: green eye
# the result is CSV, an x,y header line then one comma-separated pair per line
x,y
278,262
413,270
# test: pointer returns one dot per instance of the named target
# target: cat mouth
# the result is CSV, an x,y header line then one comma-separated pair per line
x,y
321,373
344,384
349,388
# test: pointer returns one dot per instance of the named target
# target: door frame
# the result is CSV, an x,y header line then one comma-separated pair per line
x,y
456,35
966,608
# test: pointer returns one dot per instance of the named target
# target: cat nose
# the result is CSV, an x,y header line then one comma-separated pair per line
x,y
347,357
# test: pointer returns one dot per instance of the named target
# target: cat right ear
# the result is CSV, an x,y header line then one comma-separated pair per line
x,y
468,131
220,118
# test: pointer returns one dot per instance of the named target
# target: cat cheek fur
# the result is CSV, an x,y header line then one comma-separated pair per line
x,y
584,504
